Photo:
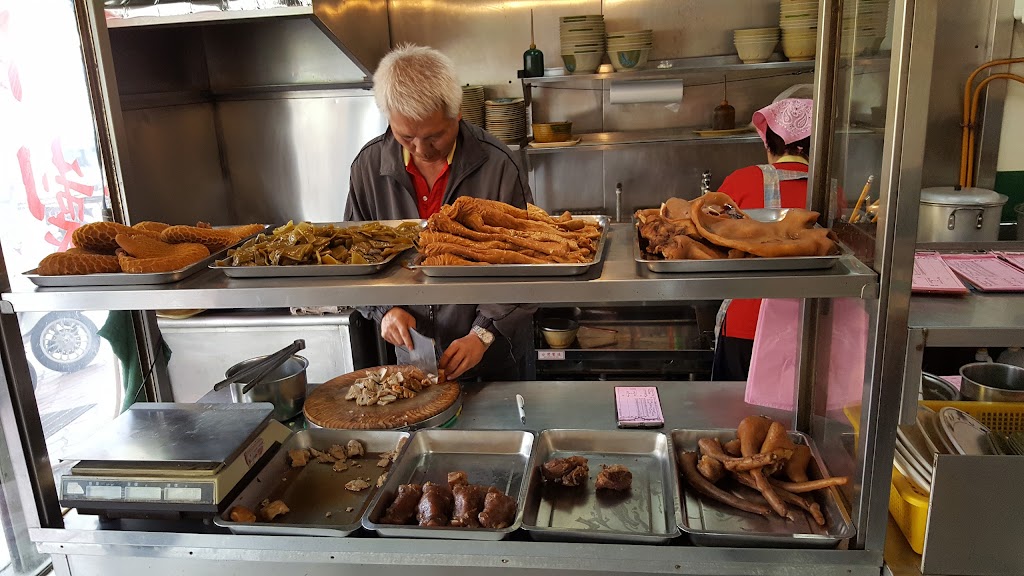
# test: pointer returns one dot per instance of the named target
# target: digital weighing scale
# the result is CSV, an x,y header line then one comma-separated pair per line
x,y
171,460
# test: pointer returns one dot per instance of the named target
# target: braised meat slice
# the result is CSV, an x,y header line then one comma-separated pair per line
x,y
403,508
435,506
469,502
499,510
615,477
571,471
242,514
273,510
456,478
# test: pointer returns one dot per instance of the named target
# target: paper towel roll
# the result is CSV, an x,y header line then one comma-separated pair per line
x,y
662,91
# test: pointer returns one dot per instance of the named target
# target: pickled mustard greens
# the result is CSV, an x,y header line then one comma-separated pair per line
x,y
306,243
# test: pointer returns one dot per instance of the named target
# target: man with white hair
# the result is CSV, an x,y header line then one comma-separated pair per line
x,y
429,157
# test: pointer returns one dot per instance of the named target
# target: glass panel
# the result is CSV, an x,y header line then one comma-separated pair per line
x,y
51,183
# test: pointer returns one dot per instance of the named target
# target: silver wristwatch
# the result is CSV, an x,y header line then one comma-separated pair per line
x,y
484,335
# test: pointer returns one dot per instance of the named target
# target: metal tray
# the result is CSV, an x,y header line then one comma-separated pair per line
x,y
499,458
125,279
315,489
309,270
662,266
645,514
710,523
516,270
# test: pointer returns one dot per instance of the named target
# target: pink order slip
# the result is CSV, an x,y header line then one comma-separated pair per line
x,y
1015,258
933,276
987,272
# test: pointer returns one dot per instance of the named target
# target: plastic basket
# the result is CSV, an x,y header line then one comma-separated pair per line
x,y
1004,417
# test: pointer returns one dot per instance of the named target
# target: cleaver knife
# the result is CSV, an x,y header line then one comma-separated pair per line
x,y
423,355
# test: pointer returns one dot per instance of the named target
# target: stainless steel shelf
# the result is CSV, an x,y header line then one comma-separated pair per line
x,y
682,67
972,320
210,17
693,404
616,140
617,280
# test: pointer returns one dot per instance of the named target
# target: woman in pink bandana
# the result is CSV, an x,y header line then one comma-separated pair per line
x,y
785,129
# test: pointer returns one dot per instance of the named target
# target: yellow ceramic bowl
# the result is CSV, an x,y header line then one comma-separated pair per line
x,y
552,132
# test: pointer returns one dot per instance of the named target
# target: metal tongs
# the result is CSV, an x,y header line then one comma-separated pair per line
x,y
260,370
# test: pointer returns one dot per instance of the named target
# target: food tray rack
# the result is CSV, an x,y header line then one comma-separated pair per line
x,y
126,279
499,458
521,270
662,266
710,523
314,490
646,514
314,270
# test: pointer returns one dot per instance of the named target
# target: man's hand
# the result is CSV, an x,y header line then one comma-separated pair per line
x,y
463,354
395,325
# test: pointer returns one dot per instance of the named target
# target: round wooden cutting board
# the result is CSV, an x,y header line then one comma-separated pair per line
x,y
326,406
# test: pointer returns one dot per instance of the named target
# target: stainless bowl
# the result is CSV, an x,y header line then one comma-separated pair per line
x,y
559,332
285,387
991,382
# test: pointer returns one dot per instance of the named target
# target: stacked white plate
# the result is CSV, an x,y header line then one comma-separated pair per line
x,y
473,105
631,49
799,22
948,431
755,45
506,119
865,25
583,42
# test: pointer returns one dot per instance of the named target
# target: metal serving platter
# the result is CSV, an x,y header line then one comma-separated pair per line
x,y
315,489
710,523
310,270
646,514
126,279
524,270
663,266
499,458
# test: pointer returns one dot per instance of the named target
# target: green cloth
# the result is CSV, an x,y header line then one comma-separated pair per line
x,y
120,332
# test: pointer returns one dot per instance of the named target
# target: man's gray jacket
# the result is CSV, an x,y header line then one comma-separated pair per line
x,y
483,167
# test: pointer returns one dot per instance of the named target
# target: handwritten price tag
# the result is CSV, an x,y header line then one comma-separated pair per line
x,y
638,405
932,275
987,272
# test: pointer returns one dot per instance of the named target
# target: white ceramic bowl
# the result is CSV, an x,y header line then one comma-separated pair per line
x,y
629,59
582,62
755,52
799,49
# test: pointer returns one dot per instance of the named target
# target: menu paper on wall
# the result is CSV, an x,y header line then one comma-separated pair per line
x,y
987,272
933,276
638,407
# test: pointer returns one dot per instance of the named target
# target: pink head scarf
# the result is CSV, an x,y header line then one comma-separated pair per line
x,y
789,118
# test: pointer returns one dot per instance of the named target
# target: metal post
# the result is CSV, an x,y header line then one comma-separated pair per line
x,y
803,401
830,17
913,34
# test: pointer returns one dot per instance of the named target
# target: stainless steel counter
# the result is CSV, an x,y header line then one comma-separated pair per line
x,y
618,279
84,549
973,320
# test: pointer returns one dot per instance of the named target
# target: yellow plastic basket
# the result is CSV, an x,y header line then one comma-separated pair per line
x,y
1004,417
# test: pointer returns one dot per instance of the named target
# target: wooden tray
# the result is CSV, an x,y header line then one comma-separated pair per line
x,y
326,407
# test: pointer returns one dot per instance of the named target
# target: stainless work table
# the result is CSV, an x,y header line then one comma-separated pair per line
x,y
83,549
617,279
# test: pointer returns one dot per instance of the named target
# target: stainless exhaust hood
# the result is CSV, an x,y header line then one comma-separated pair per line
x,y
359,28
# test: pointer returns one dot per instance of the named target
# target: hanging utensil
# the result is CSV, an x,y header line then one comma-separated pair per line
x,y
260,369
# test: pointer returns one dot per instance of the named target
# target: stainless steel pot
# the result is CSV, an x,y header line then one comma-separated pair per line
x,y
965,215
285,387
992,382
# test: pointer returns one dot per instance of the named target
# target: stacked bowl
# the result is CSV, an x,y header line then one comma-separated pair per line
x,y
473,105
628,50
865,25
506,119
756,45
799,22
583,42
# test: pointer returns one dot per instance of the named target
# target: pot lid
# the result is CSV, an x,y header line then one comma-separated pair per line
x,y
949,195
